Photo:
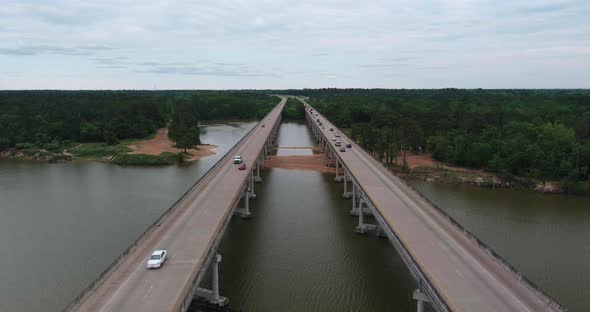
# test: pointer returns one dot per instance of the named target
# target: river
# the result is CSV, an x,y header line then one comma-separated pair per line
x,y
61,224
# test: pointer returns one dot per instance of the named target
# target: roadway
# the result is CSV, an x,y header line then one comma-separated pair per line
x,y
465,275
189,233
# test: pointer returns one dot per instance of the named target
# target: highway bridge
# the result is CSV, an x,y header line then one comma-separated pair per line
x,y
454,270
190,230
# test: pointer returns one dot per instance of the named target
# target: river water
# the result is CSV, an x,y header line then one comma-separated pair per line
x,y
62,224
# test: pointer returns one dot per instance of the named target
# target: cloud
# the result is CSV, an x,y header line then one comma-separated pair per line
x,y
226,43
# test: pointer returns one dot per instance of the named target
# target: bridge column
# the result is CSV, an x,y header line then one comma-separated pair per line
x,y
257,178
251,186
420,298
338,177
346,193
354,210
213,295
244,213
363,228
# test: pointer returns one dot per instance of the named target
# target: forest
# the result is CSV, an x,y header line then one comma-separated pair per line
x,y
537,134
55,120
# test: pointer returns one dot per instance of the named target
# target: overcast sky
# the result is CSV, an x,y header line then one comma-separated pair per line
x,y
222,44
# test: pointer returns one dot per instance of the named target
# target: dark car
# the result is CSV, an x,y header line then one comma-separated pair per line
x,y
242,167
342,149
331,129
349,145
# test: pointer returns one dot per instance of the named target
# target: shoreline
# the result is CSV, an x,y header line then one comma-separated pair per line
x,y
162,144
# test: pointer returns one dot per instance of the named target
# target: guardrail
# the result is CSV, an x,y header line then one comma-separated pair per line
x,y
100,278
551,302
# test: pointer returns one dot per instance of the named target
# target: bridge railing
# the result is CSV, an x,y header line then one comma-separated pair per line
x,y
551,302
520,276
100,278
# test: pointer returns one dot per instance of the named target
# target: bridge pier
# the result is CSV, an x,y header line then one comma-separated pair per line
x,y
212,295
346,193
244,213
363,227
420,298
251,186
257,178
338,177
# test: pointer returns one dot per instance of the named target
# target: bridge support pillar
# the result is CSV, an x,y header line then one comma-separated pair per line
x,y
251,186
257,178
346,193
338,177
244,213
363,228
420,298
212,296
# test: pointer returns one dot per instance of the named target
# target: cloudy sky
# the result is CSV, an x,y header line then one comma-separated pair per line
x,y
219,44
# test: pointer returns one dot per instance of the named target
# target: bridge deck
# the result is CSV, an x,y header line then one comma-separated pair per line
x,y
188,233
465,275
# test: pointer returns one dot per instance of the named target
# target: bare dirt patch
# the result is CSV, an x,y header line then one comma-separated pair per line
x,y
161,143
425,160
315,162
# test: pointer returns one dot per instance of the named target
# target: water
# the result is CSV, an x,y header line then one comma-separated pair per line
x,y
62,224
547,237
299,252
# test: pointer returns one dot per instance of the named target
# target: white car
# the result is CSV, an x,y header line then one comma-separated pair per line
x,y
333,139
337,134
237,159
157,259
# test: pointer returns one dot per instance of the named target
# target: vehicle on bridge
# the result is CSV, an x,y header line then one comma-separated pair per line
x,y
333,139
349,145
338,143
331,129
157,259
342,149
337,134
237,159
242,167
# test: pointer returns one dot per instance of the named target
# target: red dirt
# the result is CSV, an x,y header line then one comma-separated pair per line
x,y
315,162
161,143
425,160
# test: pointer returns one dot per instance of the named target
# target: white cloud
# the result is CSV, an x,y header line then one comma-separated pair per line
x,y
294,44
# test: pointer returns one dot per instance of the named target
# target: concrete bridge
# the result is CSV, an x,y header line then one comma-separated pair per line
x,y
454,270
191,231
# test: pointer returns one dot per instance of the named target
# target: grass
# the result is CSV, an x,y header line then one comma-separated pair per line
x,y
165,158
99,151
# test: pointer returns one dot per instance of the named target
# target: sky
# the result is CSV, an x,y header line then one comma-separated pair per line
x,y
258,44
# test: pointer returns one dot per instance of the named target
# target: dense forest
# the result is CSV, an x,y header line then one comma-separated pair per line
x,y
55,120
539,134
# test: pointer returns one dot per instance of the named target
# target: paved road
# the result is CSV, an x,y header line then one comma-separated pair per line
x,y
464,274
187,233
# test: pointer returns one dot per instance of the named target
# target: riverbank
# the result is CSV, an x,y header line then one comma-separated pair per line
x,y
157,150
162,144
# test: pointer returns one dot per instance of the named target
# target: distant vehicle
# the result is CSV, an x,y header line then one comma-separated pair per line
x,y
342,149
242,167
338,143
349,145
318,120
262,125
323,127
333,139
157,259
337,134
331,129
237,159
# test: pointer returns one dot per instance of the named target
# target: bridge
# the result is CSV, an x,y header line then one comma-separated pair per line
x,y
454,270
190,230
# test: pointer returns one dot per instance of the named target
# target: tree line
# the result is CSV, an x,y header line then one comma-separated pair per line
x,y
540,134
53,120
